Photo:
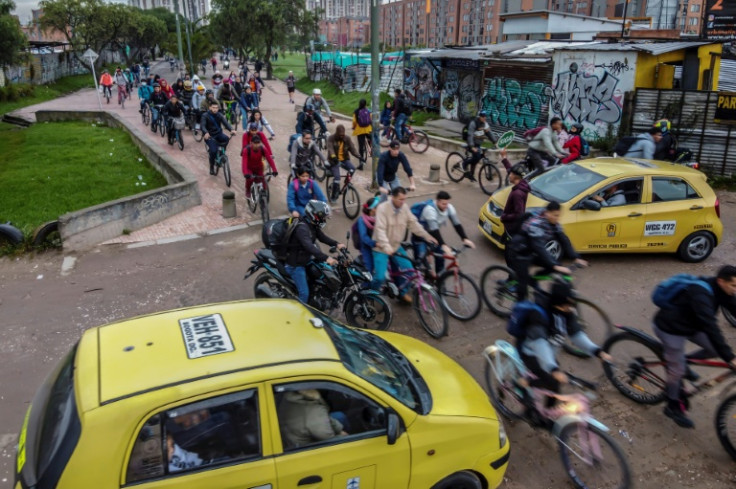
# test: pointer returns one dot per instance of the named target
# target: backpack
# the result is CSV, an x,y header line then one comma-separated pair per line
x,y
355,234
669,289
364,117
584,147
465,131
292,138
310,185
532,133
622,147
516,326
418,208
276,234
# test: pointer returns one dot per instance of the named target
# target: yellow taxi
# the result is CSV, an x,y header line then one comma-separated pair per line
x,y
618,205
257,394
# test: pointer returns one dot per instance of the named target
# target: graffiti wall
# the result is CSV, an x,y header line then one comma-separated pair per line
x,y
44,68
421,82
460,94
589,88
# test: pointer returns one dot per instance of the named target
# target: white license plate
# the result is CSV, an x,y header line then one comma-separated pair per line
x,y
205,335
488,227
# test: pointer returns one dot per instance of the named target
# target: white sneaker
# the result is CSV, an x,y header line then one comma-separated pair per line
x,y
196,126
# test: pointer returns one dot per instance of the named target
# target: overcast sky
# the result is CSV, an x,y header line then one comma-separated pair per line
x,y
23,9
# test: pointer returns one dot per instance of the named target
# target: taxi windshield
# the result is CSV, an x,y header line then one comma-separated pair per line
x,y
564,182
376,361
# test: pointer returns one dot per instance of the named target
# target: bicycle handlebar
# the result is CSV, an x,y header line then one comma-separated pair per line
x,y
259,177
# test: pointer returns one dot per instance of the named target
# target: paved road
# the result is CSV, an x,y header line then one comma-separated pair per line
x,y
45,310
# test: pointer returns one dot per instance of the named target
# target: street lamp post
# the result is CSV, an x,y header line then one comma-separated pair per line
x,y
178,31
375,89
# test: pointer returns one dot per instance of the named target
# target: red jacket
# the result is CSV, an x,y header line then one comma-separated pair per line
x,y
264,141
253,161
573,147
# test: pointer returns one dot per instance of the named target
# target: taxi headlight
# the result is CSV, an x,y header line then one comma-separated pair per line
x,y
502,437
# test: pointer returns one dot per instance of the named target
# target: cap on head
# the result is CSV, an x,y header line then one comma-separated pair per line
x,y
253,126
188,84
317,91
482,113
394,144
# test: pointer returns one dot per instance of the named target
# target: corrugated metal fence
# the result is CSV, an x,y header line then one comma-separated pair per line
x,y
691,114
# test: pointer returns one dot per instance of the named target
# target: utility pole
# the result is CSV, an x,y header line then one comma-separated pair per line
x,y
178,31
375,90
623,24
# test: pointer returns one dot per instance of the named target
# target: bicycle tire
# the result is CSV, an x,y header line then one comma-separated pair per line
x,y
161,126
351,201
122,102
386,137
263,204
633,379
499,296
146,115
729,317
596,324
218,161
569,444
431,300
180,141
319,170
454,166
491,175
419,142
253,200
460,297
501,373
225,162
47,235
726,425
368,311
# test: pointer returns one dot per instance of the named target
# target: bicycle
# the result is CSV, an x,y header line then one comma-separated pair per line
x,y
232,113
146,114
193,122
418,140
259,194
350,195
459,293
122,94
640,374
157,113
320,172
591,457
489,177
107,92
499,289
177,124
222,161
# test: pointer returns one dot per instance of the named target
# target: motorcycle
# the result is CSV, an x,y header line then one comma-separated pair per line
x,y
330,288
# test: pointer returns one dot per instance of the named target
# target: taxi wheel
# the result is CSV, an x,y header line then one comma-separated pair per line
x,y
696,247
460,480
554,248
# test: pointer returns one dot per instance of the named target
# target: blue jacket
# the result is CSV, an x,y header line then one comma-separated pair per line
x,y
296,200
144,92
388,166
249,100
365,239
386,117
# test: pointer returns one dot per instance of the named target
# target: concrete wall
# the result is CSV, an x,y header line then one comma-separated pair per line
x,y
44,68
85,228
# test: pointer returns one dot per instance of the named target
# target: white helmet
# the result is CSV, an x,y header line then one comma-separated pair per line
x,y
316,91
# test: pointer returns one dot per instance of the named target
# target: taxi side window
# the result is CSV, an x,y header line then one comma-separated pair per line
x,y
221,430
324,413
665,189
629,189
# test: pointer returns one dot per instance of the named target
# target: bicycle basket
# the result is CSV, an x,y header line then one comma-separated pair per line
x,y
179,123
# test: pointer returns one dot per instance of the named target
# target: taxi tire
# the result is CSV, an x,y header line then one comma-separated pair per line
x,y
460,480
682,251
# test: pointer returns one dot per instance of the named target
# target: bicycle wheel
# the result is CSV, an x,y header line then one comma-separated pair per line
x,y
351,201
726,425
197,133
460,295
180,140
320,172
432,315
161,126
729,317
489,178
253,200
146,115
263,204
226,169
498,288
419,142
122,101
386,137
454,166
594,321
368,311
501,374
638,371
592,459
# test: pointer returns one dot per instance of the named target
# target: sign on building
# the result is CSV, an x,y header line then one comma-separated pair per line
x,y
720,19
726,108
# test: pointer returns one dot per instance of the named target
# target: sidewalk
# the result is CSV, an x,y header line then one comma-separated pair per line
x,y
207,218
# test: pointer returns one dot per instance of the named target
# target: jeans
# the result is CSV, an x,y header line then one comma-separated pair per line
x,y
421,248
299,276
318,118
155,113
399,124
674,355
520,266
380,266
335,169
470,162
212,146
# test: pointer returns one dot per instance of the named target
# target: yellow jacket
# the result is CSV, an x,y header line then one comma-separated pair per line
x,y
357,130
391,225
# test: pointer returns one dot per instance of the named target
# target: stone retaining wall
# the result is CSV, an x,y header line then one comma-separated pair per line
x,y
85,228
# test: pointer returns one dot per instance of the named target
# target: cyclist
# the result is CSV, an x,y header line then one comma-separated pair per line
x,y
144,94
361,117
339,148
546,332
196,83
435,215
388,166
515,208
305,119
226,94
178,88
477,129
251,132
187,94
318,103
574,145
402,111
197,98
146,66
365,225
301,191
300,249
157,102
173,109
257,117
214,63
209,96
645,144
136,70
666,147
217,81
166,88
693,317
129,82
121,82
393,220
253,156
545,145
528,247
210,123
303,151
106,82
248,101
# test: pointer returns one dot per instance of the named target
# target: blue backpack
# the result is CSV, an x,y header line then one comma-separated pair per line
x,y
516,326
669,289
584,147
418,208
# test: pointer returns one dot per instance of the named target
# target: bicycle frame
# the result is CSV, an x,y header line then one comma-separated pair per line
x,y
414,277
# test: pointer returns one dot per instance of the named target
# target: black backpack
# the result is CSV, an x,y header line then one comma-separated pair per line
x,y
626,142
276,234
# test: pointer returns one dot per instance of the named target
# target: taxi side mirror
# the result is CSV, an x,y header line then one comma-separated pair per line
x,y
393,428
591,205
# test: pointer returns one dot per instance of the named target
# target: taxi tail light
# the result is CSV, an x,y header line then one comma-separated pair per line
x,y
718,208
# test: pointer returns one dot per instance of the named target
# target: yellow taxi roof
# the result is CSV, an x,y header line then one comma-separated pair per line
x,y
173,347
610,167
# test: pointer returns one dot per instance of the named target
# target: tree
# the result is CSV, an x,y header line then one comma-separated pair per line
x,y
143,32
12,39
165,15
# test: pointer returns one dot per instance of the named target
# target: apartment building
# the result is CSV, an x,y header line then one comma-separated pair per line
x,y
335,9
346,32
192,9
690,16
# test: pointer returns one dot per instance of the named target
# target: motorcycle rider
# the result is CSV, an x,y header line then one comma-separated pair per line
x,y
301,248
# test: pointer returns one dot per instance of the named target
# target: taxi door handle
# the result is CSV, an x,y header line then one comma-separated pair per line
x,y
635,214
696,207
312,479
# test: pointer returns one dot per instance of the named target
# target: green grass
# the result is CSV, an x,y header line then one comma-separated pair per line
x,y
721,182
290,62
43,93
344,103
50,169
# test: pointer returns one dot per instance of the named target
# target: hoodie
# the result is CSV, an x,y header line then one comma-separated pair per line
x,y
515,207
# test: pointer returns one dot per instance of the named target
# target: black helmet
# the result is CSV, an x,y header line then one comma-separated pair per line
x,y
577,126
156,85
317,212
309,108
208,92
561,293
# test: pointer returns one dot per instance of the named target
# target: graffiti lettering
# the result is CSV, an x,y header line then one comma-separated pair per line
x,y
420,82
586,97
511,103
616,67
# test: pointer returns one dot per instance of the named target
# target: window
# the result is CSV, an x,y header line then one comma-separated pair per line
x,y
623,192
692,21
221,430
325,413
563,182
666,189
694,8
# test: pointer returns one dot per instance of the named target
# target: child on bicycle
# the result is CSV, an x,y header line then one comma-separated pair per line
x,y
253,156
692,316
